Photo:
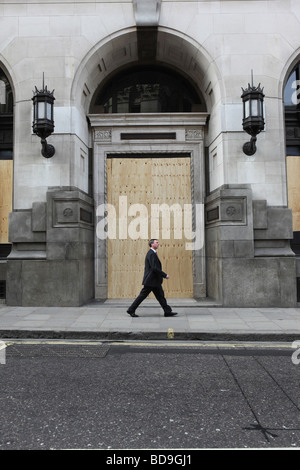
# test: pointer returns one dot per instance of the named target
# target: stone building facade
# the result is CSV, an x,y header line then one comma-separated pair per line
x,y
148,107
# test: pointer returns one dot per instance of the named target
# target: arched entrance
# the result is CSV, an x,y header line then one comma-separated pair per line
x,y
149,170
6,170
178,132
292,131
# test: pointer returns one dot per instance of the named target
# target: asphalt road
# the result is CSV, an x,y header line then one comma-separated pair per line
x,y
163,396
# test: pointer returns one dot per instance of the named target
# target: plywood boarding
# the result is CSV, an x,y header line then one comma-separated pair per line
x,y
293,177
5,197
148,181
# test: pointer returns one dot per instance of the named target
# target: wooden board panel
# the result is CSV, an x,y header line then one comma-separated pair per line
x,y
148,181
293,178
6,167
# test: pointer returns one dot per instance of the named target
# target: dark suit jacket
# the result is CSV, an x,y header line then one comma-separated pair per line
x,y
153,275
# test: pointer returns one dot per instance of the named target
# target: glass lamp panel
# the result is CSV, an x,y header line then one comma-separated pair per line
x,y
247,109
261,108
49,111
41,110
254,108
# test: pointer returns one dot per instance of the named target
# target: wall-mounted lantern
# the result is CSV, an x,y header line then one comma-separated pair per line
x,y
43,122
253,115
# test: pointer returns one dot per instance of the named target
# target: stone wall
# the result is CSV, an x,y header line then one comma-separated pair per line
x,y
249,259
52,259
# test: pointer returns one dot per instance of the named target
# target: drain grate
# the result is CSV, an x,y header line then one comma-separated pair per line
x,y
57,350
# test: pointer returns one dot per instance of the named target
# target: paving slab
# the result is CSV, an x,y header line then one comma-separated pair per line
x,y
196,320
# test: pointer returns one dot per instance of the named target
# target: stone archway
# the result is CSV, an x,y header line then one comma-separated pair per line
x,y
177,52
6,158
174,50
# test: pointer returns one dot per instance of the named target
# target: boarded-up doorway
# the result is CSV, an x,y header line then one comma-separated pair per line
x,y
6,175
147,181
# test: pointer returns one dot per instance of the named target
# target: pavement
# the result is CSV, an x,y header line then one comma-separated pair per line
x,y
201,320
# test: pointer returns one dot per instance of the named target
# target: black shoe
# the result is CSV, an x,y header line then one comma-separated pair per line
x,y
132,314
171,314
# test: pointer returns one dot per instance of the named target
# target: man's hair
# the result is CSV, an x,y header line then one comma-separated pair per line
x,y
151,241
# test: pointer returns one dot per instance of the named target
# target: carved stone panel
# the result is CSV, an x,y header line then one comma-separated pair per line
x,y
65,212
194,134
233,210
103,135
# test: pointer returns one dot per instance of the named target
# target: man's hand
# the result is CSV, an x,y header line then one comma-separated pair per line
x,y
167,276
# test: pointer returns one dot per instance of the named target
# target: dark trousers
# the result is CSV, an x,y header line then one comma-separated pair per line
x,y
159,294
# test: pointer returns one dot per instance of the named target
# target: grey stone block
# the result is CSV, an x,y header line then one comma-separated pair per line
x,y
28,251
249,260
260,216
70,250
227,248
214,278
14,285
267,248
20,228
52,259
49,283
279,226
259,282
243,249
298,267
39,217
3,270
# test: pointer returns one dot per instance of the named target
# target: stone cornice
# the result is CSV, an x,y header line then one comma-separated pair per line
x,y
151,119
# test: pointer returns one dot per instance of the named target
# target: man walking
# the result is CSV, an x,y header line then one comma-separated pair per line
x,y
152,282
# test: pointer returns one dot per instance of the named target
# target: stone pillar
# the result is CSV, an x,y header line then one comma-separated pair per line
x,y
52,257
249,259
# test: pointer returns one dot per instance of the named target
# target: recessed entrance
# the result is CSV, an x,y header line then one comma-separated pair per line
x,y
167,170
149,196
